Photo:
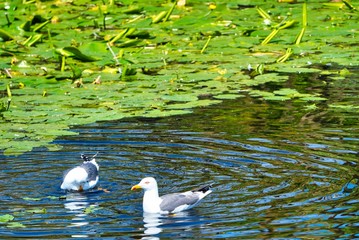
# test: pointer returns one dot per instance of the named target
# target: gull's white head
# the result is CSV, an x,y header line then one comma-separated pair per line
x,y
147,183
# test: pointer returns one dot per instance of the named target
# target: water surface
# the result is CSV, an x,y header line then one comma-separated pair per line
x,y
278,170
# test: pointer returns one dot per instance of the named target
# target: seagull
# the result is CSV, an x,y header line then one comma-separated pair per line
x,y
83,177
170,203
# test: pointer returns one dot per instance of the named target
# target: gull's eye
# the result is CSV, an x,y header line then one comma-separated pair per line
x,y
147,182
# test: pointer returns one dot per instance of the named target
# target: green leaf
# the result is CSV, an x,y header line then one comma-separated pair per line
x,y
32,199
91,209
5,35
159,17
287,92
15,225
37,210
6,218
75,53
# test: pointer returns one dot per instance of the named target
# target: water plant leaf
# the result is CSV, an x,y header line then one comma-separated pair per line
x,y
15,225
313,98
287,54
133,10
346,108
75,53
42,25
6,218
91,209
32,199
287,92
168,14
263,13
349,5
36,210
159,17
101,62
94,49
32,40
4,35
226,96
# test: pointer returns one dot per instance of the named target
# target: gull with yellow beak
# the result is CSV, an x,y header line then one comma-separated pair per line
x,y
170,203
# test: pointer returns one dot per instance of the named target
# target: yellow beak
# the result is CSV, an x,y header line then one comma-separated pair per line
x,y
136,187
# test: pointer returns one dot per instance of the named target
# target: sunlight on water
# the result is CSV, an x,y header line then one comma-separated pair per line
x,y
290,181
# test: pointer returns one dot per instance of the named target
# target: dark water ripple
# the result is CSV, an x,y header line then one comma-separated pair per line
x,y
263,187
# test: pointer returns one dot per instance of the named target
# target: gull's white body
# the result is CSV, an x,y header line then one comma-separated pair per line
x,y
81,178
170,203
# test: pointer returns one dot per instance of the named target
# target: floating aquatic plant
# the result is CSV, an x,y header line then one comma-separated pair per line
x,y
108,61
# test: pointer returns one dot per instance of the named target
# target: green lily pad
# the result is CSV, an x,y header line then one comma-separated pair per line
x,y
179,98
32,199
37,210
75,53
5,35
287,92
276,98
66,74
6,218
91,209
227,96
313,98
15,225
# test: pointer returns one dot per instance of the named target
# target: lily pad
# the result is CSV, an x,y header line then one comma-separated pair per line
x,y
80,69
6,218
15,225
37,210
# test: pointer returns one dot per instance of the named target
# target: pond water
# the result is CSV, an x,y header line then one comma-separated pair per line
x,y
278,171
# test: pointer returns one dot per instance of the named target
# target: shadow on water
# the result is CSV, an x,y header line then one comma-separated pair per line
x,y
279,170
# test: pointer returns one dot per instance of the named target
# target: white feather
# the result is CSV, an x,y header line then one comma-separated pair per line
x,y
77,179
152,201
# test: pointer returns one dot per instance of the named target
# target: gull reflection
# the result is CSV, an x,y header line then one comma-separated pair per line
x,y
77,203
154,221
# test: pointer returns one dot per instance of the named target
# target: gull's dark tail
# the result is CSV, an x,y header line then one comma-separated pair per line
x,y
203,189
87,159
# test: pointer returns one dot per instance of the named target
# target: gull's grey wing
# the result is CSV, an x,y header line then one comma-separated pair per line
x,y
91,169
171,201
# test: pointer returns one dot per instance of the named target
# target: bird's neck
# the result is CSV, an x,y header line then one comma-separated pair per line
x,y
151,201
